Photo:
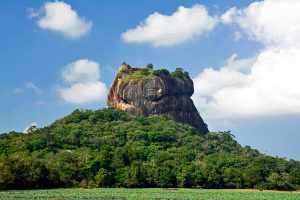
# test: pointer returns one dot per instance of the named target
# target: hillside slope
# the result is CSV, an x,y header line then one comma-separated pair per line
x,y
111,148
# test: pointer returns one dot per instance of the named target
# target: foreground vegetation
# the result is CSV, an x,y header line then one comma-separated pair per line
x,y
110,148
150,193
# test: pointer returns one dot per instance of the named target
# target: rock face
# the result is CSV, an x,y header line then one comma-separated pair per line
x,y
166,96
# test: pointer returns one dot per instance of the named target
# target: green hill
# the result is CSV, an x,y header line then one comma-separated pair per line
x,y
110,148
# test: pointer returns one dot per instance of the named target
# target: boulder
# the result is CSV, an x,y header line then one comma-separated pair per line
x,y
166,96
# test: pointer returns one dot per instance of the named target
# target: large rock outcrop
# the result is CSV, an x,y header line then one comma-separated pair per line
x,y
166,96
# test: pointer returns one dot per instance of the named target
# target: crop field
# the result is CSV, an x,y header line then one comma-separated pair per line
x,y
145,193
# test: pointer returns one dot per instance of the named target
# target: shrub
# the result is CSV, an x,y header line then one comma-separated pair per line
x,y
161,72
83,183
144,71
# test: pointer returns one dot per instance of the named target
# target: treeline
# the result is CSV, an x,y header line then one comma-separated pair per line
x,y
110,148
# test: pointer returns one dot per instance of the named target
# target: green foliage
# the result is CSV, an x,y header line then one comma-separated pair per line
x,y
103,178
149,66
161,72
149,72
110,148
180,73
144,73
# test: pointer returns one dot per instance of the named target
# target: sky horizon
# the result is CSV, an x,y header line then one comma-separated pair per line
x,y
244,59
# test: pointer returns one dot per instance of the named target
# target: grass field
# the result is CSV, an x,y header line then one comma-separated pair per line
x,y
146,193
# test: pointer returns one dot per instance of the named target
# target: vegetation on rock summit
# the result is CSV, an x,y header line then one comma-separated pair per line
x,y
149,72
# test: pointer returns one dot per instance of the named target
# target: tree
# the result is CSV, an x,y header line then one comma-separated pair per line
x,y
103,178
253,175
134,176
149,66
185,176
295,177
6,176
180,73
186,75
232,178
31,128
279,181
161,72
163,176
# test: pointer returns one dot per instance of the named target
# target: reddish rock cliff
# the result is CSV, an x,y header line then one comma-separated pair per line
x,y
166,96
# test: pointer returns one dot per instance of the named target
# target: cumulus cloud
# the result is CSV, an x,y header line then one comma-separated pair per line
x,y
164,30
81,71
227,17
84,92
272,22
84,85
267,83
59,17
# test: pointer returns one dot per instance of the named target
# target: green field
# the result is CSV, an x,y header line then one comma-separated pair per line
x,y
146,193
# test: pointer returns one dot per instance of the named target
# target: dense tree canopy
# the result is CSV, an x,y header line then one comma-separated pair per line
x,y
110,148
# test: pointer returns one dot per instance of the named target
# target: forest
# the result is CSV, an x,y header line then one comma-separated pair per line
x,y
111,148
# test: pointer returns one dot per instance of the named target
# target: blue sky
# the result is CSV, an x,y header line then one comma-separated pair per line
x,y
228,55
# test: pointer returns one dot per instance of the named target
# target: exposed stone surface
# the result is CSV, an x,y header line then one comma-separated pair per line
x,y
165,96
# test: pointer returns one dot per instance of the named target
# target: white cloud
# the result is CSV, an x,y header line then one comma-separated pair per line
x,y
59,17
272,22
237,36
163,30
270,88
33,13
18,90
32,86
231,74
84,92
83,78
77,71
30,128
227,17
266,84
28,86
